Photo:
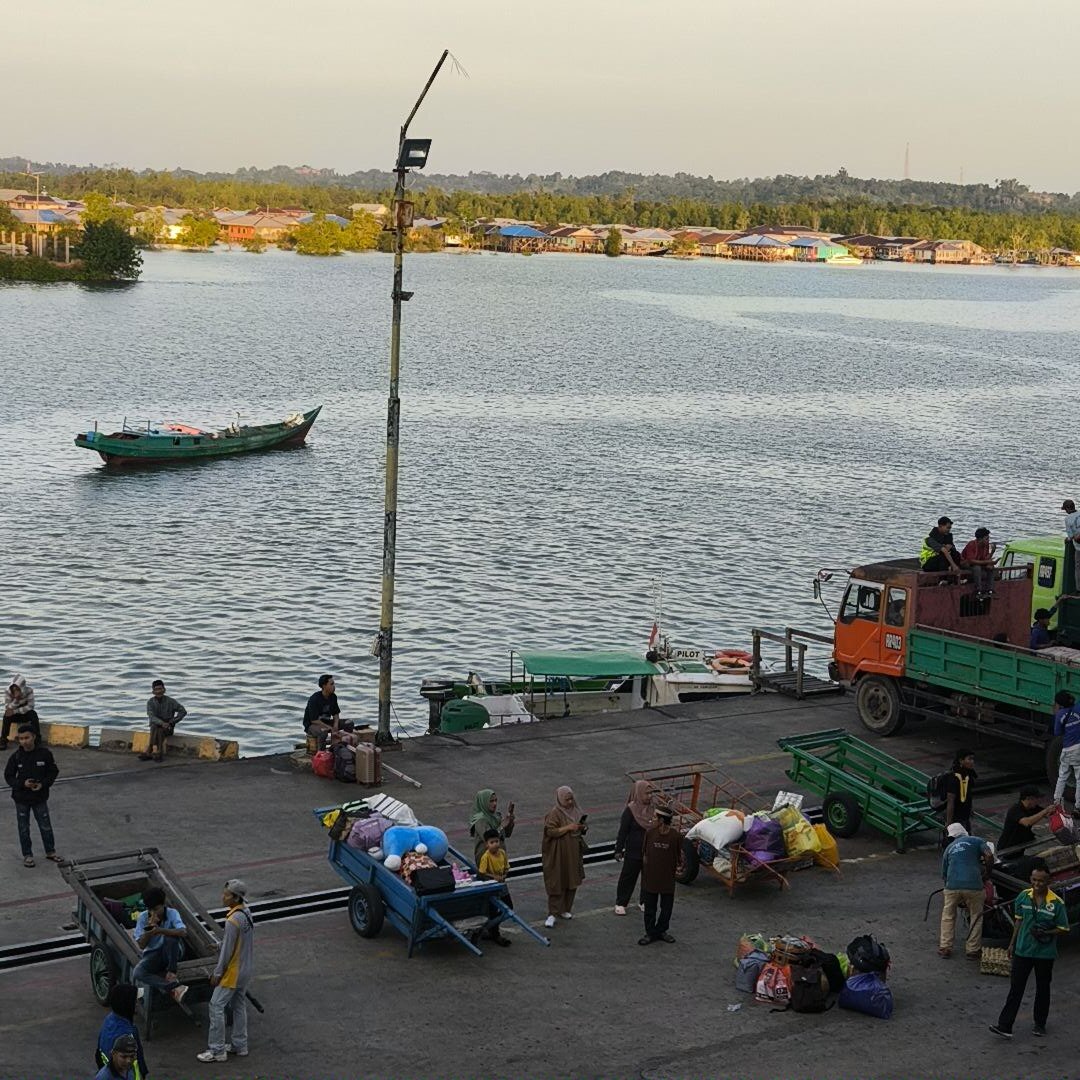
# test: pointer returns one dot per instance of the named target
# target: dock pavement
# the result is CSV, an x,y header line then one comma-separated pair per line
x,y
594,1004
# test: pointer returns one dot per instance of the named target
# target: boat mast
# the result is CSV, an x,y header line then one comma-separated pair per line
x,y
411,152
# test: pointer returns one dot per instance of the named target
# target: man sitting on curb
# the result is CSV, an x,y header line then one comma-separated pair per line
x,y
164,713
160,933
322,716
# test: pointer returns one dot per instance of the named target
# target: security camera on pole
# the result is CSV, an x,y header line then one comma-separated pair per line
x,y
412,154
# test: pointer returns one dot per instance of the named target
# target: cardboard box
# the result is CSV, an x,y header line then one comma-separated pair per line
x,y
368,764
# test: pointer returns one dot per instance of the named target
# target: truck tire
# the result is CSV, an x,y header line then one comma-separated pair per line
x,y
842,814
1053,758
102,972
366,910
878,700
691,863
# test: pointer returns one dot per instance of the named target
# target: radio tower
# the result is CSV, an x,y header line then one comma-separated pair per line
x,y
907,161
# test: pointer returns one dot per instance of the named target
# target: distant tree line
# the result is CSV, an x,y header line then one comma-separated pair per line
x,y
1037,226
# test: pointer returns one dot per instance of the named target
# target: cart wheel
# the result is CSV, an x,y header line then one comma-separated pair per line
x,y
1053,758
691,863
878,702
366,910
842,814
102,973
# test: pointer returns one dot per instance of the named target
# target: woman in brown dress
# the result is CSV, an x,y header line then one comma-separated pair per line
x,y
561,854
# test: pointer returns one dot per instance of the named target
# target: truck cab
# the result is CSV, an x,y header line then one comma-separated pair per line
x,y
1047,557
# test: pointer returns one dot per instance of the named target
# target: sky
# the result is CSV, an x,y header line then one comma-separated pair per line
x,y
983,89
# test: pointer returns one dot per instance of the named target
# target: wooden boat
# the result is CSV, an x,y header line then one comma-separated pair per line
x,y
172,441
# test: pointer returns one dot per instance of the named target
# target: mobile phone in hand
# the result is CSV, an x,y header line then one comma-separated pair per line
x,y
510,810
581,820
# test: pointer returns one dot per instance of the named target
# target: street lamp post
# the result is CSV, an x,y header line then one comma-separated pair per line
x,y
412,153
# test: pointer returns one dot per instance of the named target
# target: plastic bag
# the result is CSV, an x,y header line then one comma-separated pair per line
x,y
829,855
801,839
1063,827
867,993
749,943
774,983
748,971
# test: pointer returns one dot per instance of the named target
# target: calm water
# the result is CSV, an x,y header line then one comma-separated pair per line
x,y
573,428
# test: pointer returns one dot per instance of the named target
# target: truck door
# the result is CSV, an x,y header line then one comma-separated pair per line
x,y
894,633
858,628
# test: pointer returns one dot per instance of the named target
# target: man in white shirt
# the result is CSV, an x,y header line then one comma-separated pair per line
x,y
1072,535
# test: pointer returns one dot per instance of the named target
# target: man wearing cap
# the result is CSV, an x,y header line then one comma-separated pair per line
x,y
1041,638
121,1064
938,550
979,555
1072,533
661,855
1025,812
962,867
231,977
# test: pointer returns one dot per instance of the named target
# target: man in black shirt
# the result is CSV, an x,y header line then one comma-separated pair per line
x,y
322,715
1020,817
938,551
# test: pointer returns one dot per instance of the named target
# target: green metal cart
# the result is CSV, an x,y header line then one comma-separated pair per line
x,y
858,782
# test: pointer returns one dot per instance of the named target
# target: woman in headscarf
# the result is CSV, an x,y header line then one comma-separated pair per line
x,y
561,854
121,1021
486,815
637,818
19,709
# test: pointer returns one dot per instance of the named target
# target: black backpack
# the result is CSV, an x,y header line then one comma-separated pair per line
x,y
937,789
830,965
809,987
867,954
344,764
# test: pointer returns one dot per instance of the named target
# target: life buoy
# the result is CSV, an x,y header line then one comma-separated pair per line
x,y
735,654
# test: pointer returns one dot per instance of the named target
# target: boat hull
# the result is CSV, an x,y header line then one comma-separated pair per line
x,y
124,449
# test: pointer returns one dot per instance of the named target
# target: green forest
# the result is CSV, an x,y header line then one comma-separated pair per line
x,y
1037,226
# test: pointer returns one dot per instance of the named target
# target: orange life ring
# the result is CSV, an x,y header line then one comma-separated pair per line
x,y
735,654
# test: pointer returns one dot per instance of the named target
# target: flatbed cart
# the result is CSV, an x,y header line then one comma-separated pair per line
x,y
858,782
113,951
691,790
379,895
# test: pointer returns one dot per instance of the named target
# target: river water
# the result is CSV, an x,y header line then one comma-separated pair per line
x,y
573,429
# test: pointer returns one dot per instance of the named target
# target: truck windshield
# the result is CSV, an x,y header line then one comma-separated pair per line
x,y
862,601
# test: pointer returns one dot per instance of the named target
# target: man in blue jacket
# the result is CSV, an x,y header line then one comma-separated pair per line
x,y
962,867
1067,725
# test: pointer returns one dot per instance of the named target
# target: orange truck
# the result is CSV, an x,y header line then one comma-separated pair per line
x,y
911,644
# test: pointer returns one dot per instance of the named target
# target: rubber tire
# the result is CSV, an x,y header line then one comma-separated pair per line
x,y
366,910
103,975
691,863
877,699
1053,757
849,815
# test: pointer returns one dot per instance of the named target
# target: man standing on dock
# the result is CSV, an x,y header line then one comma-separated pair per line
x,y
661,856
231,977
1072,536
962,870
164,713
30,773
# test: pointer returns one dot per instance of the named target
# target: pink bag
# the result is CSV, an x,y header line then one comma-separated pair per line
x,y
367,832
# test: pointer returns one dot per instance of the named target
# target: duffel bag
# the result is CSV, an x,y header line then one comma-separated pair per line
x,y
367,833
432,879
867,993
746,974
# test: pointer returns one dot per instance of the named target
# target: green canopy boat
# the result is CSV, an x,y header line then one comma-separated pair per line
x,y
153,443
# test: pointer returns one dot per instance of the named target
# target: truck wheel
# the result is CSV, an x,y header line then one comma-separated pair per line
x,y
1053,758
878,702
366,910
842,814
102,973
691,863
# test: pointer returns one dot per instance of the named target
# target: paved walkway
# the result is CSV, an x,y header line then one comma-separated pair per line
x,y
595,1003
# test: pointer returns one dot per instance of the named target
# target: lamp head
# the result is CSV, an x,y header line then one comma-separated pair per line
x,y
413,153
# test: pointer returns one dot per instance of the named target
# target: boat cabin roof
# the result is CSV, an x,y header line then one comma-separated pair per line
x,y
593,664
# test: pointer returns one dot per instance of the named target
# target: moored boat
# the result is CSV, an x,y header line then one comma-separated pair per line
x,y
153,443
843,260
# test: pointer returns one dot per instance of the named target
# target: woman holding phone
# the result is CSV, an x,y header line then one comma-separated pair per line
x,y
486,815
562,849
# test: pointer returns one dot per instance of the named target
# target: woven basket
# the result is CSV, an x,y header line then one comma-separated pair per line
x,y
995,962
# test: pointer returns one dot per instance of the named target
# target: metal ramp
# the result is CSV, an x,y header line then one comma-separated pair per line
x,y
792,680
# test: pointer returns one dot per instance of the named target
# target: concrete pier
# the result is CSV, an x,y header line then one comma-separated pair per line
x,y
595,1004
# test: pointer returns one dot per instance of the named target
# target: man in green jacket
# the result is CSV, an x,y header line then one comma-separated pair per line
x,y
1040,919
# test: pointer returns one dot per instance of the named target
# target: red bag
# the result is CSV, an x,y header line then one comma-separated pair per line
x,y
322,764
1063,828
774,983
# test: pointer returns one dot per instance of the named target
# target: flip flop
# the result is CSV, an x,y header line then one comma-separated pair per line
x,y
29,861
53,857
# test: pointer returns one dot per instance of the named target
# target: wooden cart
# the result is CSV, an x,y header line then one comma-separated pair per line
x,y
113,951
692,790
379,895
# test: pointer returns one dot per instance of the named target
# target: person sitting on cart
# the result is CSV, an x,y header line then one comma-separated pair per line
x,y
121,1021
495,864
122,1060
160,933
1025,812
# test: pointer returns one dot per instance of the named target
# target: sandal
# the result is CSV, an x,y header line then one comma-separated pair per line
x,y
29,861
944,953
52,857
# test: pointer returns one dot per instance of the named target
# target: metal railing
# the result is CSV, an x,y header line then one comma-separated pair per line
x,y
789,640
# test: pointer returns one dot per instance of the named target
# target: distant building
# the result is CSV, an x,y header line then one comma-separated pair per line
x,y
515,238
715,244
376,210
760,247
815,249
8,194
647,241
871,246
579,238
938,252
